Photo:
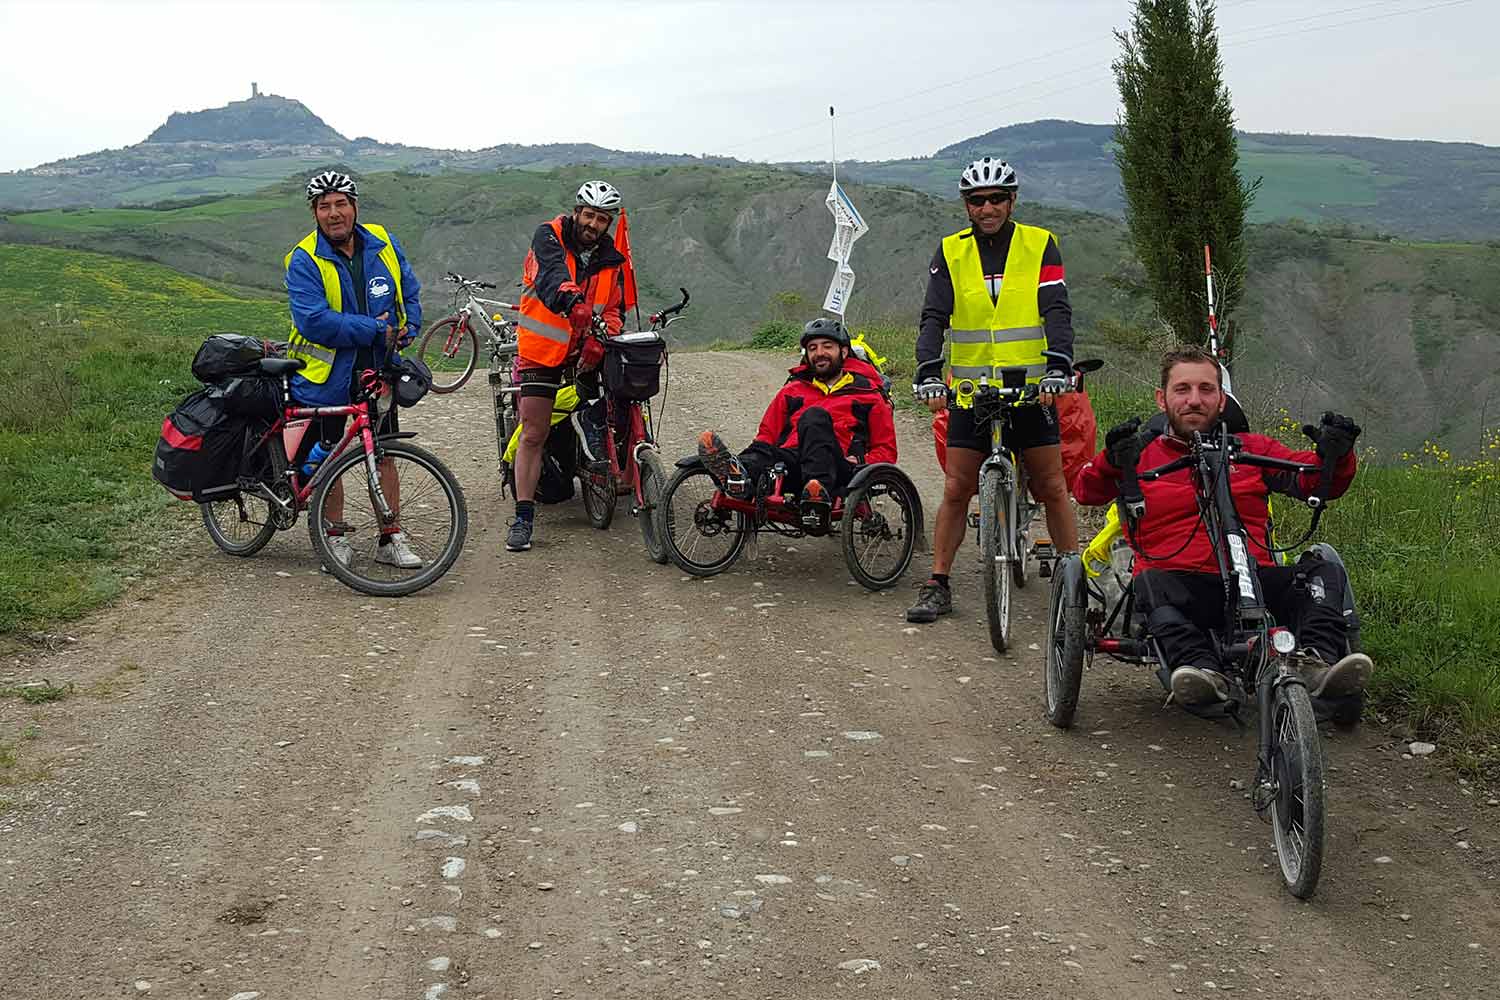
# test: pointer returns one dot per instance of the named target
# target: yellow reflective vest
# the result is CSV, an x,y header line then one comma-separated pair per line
x,y
318,359
986,335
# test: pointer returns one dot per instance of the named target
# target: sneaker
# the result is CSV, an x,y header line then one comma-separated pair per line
x,y
393,551
816,510
591,438
933,599
722,465
1199,686
1346,677
342,549
519,539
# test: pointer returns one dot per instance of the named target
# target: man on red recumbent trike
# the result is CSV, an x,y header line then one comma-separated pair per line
x,y
830,417
1177,581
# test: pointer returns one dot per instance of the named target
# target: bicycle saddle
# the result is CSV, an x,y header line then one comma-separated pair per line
x,y
280,366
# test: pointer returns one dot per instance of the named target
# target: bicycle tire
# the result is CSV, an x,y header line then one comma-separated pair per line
x,y
1066,637
653,487
432,350
1020,569
1297,775
255,542
435,568
699,518
599,496
994,541
892,484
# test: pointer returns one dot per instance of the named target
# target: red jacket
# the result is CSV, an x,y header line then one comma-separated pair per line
x,y
861,414
1172,508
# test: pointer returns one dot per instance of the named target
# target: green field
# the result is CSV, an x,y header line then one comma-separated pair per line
x,y
81,404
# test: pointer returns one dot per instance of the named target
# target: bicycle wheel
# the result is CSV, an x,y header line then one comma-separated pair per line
x,y
1066,635
653,486
1296,774
700,539
505,426
449,348
240,525
599,495
1020,566
879,529
432,515
994,545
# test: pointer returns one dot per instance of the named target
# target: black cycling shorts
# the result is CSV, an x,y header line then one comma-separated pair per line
x,y
541,382
1030,427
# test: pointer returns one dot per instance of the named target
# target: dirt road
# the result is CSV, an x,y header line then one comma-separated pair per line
x,y
573,773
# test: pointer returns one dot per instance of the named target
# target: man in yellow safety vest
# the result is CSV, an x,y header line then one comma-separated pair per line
x,y
354,302
996,290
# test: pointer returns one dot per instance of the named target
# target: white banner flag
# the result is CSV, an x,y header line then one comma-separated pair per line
x,y
843,210
843,244
838,291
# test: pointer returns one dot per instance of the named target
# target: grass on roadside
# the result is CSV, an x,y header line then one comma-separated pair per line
x,y
81,405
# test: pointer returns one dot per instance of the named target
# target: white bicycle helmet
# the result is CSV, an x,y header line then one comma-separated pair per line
x,y
599,194
988,172
331,182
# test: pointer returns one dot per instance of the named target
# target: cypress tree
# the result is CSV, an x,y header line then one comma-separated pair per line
x,y
1176,149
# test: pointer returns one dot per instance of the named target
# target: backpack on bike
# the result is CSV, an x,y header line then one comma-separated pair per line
x,y
230,355
632,365
202,448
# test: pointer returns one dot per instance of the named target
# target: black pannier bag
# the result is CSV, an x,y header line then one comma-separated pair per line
x,y
202,448
632,365
255,398
230,355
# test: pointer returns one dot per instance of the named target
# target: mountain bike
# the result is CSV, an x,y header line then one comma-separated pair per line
x,y
403,485
631,377
1289,778
450,347
1006,506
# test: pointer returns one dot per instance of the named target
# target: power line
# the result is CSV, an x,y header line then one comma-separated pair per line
x,y
1444,4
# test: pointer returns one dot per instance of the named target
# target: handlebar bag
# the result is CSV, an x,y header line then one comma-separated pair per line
x,y
632,365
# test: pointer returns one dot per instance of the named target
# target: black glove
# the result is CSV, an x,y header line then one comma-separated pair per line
x,y
1334,436
1122,445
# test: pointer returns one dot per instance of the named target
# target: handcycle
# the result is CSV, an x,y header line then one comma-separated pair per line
x,y
428,502
878,517
630,375
1006,506
1084,620
450,347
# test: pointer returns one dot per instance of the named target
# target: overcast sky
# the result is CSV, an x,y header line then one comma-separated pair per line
x,y
752,80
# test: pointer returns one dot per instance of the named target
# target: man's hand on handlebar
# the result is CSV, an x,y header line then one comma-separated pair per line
x,y
932,392
1053,384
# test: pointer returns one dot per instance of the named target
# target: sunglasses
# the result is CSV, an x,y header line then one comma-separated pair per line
x,y
998,198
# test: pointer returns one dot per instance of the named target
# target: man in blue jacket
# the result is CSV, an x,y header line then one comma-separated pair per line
x,y
354,302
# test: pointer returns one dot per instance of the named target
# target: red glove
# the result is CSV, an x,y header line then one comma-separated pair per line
x,y
581,317
592,355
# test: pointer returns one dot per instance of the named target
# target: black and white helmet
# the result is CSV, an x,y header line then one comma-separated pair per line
x,y
988,173
599,194
331,182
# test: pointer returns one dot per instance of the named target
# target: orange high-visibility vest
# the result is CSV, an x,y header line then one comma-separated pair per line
x,y
545,338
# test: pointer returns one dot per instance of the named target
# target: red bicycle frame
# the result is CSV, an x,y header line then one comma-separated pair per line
x,y
293,425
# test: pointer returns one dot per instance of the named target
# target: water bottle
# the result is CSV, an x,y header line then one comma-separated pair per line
x,y
315,457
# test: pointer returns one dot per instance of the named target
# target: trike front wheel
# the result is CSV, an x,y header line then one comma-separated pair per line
x,y
701,538
1296,777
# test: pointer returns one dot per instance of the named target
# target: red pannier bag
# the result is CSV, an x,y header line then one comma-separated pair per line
x,y
1079,431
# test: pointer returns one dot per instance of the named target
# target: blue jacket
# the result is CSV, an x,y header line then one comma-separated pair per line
x,y
348,330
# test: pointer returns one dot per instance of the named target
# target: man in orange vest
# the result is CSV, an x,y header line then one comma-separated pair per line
x,y
573,273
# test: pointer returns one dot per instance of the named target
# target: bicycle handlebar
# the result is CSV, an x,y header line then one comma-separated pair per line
x,y
458,279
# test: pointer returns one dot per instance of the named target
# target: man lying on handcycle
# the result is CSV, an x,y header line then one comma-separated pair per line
x,y
1176,578
831,416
